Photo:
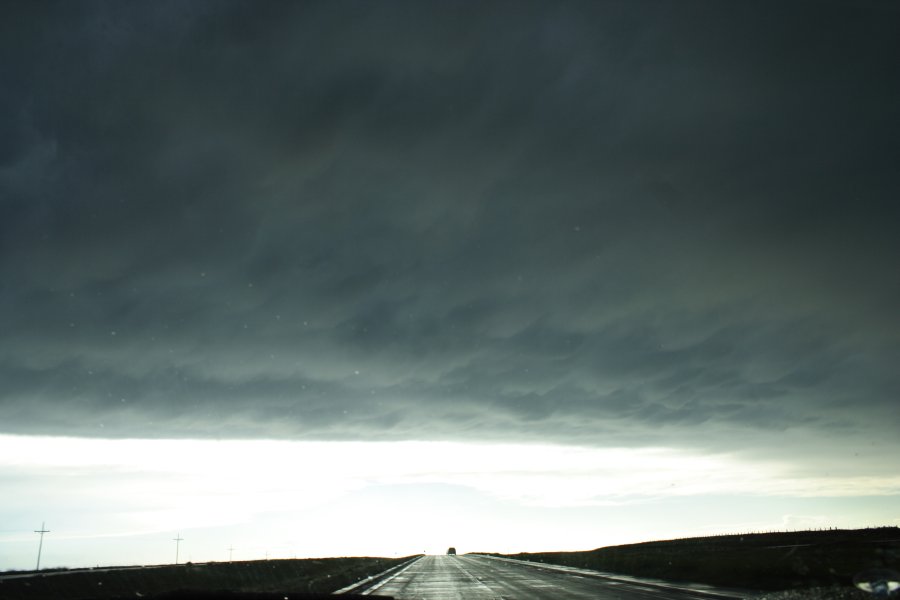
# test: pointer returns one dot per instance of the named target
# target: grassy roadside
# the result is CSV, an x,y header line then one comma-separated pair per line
x,y
763,561
306,576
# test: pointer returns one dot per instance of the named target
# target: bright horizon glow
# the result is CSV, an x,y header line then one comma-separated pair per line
x,y
379,498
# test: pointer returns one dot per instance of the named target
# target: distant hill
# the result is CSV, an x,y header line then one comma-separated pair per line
x,y
762,561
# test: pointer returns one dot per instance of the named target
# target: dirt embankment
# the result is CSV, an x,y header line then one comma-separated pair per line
x,y
765,561
296,576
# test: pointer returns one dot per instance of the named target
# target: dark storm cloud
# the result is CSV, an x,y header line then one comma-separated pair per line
x,y
616,223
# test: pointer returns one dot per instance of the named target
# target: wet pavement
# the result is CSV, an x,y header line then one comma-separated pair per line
x,y
487,578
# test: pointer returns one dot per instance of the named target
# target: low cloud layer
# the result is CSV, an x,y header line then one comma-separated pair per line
x,y
615,224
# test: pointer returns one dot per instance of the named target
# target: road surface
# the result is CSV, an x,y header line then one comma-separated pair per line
x,y
488,578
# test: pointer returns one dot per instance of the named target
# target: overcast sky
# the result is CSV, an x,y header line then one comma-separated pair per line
x,y
605,225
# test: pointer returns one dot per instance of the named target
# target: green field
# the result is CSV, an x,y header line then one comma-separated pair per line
x,y
761,561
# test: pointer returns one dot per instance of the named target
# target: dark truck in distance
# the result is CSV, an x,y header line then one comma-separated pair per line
x,y
451,550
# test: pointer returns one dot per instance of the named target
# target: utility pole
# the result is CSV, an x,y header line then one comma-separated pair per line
x,y
177,539
230,552
41,531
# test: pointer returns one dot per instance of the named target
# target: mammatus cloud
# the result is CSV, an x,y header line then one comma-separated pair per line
x,y
606,225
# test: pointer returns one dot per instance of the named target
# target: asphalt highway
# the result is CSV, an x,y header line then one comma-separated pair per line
x,y
486,578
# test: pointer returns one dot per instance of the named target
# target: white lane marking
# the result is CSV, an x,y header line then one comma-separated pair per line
x,y
473,578
650,584
384,581
359,584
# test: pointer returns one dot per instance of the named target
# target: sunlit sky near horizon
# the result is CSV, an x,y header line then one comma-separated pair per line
x,y
342,278
115,501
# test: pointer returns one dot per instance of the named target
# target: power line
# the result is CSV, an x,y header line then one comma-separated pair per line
x,y
177,539
41,531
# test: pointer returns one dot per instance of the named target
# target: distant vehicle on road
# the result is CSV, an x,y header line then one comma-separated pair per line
x,y
451,550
